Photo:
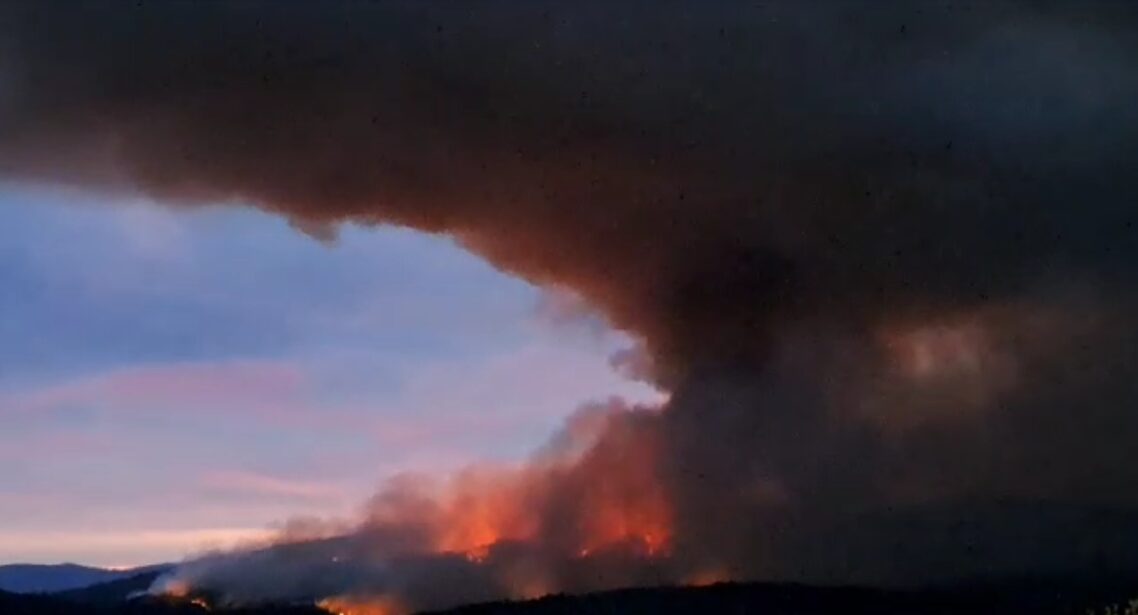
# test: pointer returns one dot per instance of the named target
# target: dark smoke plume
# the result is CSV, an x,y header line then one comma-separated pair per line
x,y
883,258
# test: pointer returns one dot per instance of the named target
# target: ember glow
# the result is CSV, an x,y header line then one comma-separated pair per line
x,y
358,606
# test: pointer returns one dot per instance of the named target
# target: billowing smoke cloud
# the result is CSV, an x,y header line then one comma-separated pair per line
x,y
882,258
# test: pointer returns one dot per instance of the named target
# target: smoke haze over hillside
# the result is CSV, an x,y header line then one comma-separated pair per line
x,y
882,259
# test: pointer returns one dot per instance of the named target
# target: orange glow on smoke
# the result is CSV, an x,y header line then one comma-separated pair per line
x,y
934,351
483,509
642,523
532,590
610,492
704,578
174,588
592,497
596,494
946,370
622,499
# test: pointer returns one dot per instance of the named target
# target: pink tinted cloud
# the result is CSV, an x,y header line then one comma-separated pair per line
x,y
263,485
69,442
257,385
122,547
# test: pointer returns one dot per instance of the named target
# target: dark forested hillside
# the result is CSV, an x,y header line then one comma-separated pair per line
x,y
37,578
112,593
1038,597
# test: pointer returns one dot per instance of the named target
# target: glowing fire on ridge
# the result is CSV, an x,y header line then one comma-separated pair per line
x,y
355,606
609,492
592,498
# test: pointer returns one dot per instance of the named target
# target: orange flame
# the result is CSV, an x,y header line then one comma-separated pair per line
x,y
623,501
485,508
609,490
595,493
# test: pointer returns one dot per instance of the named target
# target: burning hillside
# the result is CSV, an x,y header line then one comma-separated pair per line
x,y
880,258
588,512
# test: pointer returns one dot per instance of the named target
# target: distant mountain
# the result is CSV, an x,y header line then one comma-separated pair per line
x,y
37,604
38,578
113,592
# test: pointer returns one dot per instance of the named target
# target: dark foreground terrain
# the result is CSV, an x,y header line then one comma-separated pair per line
x,y
769,599
1024,597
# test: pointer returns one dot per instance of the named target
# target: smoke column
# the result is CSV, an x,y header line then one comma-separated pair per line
x,y
882,259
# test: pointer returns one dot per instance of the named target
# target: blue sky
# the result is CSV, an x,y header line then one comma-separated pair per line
x,y
173,379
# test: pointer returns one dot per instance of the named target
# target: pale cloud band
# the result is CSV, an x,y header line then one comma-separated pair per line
x,y
121,547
